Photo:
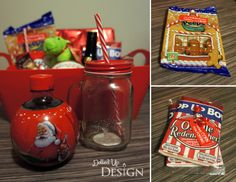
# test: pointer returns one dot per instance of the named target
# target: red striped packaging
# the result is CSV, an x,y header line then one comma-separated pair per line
x,y
173,162
183,141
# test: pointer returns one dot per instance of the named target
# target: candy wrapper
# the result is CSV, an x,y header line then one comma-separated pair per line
x,y
193,134
30,36
192,41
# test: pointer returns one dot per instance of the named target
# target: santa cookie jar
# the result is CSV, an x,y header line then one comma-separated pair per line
x,y
44,131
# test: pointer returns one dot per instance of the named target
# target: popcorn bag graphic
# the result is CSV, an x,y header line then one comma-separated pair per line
x,y
194,132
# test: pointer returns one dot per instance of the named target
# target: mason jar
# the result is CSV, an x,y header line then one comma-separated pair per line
x,y
107,105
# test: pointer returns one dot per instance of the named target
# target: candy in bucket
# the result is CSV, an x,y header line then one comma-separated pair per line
x,y
30,36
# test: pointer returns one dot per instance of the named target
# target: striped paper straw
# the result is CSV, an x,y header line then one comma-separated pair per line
x,y
101,36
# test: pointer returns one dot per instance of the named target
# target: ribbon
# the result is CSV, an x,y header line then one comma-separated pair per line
x,y
197,123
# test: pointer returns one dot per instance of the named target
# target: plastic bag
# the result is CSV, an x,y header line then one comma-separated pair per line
x,y
192,41
34,33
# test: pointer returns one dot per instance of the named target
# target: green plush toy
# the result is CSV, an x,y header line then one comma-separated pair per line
x,y
57,49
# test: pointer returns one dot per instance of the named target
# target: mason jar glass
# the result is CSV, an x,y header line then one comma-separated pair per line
x,y
107,105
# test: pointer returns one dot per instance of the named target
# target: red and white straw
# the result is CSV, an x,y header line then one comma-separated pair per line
x,y
101,36
26,40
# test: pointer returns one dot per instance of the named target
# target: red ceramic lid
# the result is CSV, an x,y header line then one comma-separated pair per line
x,y
40,82
115,66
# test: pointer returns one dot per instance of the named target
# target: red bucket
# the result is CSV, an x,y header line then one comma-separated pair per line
x,y
14,84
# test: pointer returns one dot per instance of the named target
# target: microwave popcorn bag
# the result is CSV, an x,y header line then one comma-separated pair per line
x,y
194,136
113,48
192,41
218,168
37,31
173,162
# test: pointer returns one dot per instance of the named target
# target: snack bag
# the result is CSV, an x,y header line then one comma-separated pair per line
x,y
194,132
192,41
173,162
30,36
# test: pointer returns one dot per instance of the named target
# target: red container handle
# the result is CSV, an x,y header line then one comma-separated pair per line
x,y
145,52
11,64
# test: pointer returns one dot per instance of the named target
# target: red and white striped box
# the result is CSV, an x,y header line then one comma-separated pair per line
x,y
182,141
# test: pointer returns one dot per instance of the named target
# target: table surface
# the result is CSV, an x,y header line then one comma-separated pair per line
x,y
227,18
136,155
160,97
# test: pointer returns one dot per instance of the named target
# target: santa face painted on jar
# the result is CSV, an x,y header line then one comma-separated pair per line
x,y
46,135
46,143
